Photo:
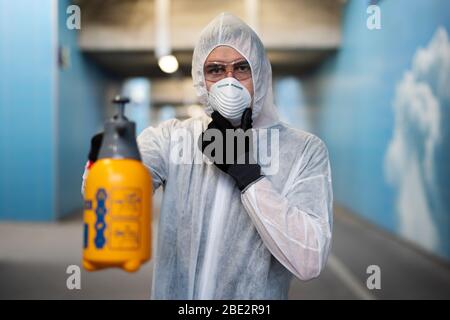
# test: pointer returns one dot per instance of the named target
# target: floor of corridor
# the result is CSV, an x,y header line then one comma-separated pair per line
x,y
34,258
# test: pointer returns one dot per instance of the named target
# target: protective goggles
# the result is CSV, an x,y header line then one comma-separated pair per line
x,y
215,71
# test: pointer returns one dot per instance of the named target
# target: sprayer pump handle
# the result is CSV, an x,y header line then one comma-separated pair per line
x,y
121,100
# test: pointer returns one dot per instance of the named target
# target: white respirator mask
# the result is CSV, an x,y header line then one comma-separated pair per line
x,y
230,98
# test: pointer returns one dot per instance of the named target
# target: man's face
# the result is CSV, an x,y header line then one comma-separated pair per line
x,y
225,54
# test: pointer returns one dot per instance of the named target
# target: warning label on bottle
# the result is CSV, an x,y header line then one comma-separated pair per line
x,y
126,203
126,209
124,235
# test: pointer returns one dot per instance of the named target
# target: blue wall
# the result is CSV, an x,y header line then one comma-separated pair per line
x,y
48,114
384,111
27,109
293,106
81,113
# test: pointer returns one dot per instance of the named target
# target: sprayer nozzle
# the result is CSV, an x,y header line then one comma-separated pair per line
x,y
121,101
120,135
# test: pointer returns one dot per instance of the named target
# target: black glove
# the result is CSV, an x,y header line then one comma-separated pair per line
x,y
96,143
243,169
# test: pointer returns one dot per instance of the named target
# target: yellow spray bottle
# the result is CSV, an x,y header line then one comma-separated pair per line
x,y
118,201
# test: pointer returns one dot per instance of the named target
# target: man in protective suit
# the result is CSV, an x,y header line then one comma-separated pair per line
x,y
235,229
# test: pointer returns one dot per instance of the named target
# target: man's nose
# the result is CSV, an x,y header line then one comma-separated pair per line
x,y
230,73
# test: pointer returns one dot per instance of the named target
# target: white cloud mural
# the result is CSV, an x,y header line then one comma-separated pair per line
x,y
420,107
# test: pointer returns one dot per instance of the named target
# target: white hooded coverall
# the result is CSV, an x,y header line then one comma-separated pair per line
x,y
215,242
